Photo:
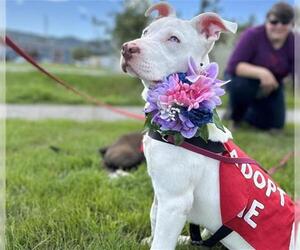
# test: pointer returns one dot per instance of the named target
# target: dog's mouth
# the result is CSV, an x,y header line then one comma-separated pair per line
x,y
127,68
124,66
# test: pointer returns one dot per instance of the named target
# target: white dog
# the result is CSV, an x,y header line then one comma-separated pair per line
x,y
186,184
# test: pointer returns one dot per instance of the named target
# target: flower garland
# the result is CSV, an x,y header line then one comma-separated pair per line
x,y
182,104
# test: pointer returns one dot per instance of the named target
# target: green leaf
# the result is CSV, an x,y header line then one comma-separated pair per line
x,y
217,121
178,139
147,124
203,132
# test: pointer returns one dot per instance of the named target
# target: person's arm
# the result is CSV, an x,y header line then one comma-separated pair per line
x,y
245,69
268,81
244,51
239,62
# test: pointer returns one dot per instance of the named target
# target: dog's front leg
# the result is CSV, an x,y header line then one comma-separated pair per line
x,y
171,217
153,215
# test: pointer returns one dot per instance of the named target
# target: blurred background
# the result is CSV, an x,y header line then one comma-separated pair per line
x,y
58,193
89,33
84,38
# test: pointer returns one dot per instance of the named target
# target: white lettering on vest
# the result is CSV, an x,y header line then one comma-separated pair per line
x,y
271,188
240,214
250,171
282,193
233,154
256,176
253,212
247,171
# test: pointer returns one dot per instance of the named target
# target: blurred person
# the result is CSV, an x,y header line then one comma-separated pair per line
x,y
262,58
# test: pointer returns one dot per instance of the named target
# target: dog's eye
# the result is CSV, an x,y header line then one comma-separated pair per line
x,y
174,39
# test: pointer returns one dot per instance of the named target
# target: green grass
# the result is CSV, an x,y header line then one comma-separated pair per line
x,y
32,87
27,86
65,200
57,68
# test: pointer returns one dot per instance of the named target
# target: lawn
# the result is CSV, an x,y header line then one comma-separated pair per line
x,y
33,87
57,68
63,199
25,85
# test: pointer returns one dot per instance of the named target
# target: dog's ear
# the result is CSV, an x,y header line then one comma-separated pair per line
x,y
163,8
211,25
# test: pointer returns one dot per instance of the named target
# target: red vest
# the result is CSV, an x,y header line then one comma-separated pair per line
x,y
253,205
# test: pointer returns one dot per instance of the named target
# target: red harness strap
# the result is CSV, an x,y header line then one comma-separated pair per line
x,y
213,155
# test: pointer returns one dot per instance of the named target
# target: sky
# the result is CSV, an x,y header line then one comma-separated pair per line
x,y
72,17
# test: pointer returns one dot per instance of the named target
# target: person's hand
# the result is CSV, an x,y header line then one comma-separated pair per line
x,y
268,82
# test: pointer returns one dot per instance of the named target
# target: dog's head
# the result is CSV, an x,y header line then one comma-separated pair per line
x,y
167,43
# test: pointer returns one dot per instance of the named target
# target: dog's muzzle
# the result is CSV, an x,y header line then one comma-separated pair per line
x,y
128,50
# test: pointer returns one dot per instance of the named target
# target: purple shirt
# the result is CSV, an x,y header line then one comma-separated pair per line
x,y
254,47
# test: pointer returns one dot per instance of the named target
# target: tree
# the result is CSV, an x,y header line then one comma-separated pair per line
x,y
80,53
249,23
130,22
209,5
34,53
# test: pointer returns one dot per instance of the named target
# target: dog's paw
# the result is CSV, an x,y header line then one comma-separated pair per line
x,y
184,240
117,174
205,234
146,241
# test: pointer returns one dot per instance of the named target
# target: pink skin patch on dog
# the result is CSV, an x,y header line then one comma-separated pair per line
x,y
211,26
163,10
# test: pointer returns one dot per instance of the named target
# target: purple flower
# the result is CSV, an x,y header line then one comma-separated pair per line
x,y
183,102
193,74
172,120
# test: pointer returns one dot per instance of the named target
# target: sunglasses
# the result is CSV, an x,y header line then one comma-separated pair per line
x,y
276,21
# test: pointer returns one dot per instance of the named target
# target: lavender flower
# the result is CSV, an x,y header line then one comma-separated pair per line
x,y
183,102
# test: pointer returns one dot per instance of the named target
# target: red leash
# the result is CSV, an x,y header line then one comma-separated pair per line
x,y
281,164
213,155
69,87
239,160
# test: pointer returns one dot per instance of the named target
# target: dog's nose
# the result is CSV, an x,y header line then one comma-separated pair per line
x,y
128,49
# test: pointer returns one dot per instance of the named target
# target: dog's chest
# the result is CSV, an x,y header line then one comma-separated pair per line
x,y
178,170
163,157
